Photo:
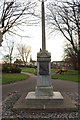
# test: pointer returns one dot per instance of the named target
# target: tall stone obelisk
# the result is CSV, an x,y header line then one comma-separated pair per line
x,y
43,96
44,87
43,28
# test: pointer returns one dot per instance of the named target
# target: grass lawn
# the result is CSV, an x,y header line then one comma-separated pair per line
x,y
71,75
74,78
69,72
9,78
29,70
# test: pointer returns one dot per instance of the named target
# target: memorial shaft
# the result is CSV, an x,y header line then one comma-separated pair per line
x,y
43,28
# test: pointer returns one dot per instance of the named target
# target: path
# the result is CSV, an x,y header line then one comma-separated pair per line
x,y
30,84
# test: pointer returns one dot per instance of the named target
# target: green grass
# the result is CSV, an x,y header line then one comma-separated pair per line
x,y
69,72
74,78
71,75
9,78
29,70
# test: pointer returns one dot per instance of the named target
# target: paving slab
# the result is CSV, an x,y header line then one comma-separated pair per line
x,y
46,104
9,114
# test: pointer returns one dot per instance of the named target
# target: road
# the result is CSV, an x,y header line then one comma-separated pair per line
x,y
30,84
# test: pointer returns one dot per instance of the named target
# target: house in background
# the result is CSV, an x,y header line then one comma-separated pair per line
x,y
60,64
32,62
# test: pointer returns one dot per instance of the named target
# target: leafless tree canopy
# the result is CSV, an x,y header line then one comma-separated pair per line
x,y
24,52
8,57
15,13
70,56
64,16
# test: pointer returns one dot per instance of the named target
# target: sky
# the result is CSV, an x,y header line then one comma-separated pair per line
x,y
54,43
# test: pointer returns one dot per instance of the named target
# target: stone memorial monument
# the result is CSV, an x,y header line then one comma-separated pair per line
x,y
44,90
44,86
44,96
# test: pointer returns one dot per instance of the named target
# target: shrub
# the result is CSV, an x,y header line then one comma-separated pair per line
x,y
6,68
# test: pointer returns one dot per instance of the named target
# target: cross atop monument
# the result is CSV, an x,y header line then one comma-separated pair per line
x,y
43,25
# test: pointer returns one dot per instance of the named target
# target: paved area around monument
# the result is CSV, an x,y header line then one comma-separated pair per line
x,y
30,84
8,113
12,92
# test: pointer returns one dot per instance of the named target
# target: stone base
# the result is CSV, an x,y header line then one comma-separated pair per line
x,y
43,91
31,98
55,103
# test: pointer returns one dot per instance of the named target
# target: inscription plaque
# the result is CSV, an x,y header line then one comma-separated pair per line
x,y
44,68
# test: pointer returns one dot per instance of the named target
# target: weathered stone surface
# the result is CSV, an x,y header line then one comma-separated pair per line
x,y
10,113
44,54
57,102
44,87
44,59
55,99
43,81
44,91
44,68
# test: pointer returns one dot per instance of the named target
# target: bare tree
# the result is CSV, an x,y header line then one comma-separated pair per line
x,y
24,52
8,57
64,17
79,38
1,40
14,14
70,56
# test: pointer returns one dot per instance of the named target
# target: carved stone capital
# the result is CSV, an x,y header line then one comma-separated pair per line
x,y
44,54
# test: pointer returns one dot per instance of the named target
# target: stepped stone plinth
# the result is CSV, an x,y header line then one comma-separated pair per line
x,y
44,90
43,94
